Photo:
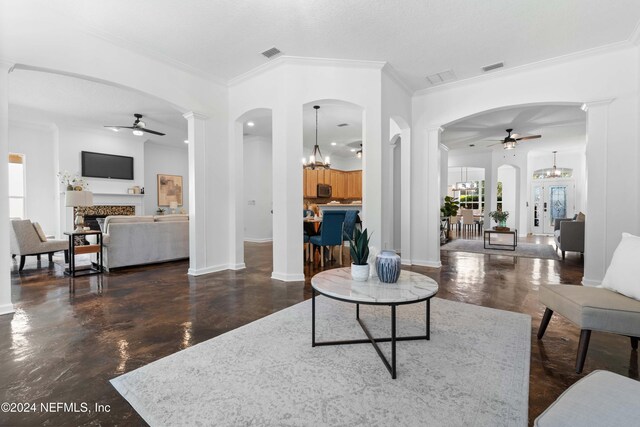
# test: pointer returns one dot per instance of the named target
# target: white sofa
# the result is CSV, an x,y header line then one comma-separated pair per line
x,y
137,240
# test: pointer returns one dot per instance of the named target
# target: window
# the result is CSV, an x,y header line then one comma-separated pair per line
x,y
16,186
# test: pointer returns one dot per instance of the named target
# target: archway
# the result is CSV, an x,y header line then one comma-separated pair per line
x,y
340,138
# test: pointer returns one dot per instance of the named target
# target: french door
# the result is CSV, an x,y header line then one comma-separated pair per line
x,y
551,199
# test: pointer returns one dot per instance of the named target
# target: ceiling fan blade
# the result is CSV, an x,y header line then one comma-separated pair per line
x,y
495,144
150,131
524,138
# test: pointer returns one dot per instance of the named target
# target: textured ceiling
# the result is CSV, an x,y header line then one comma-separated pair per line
x,y
561,126
77,102
224,38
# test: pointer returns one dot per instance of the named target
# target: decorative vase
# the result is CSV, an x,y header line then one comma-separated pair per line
x,y
78,188
360,273
502,223
388,266
69,187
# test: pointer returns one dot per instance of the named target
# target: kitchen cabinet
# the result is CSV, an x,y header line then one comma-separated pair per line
x,y
344,184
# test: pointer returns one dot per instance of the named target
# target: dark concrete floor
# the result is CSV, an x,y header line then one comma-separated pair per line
x,y
63,346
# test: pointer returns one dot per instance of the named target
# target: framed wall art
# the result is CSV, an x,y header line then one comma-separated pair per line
x,y
169,189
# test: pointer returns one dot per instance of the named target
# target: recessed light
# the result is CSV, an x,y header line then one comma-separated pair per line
x,y
353,150
186,141
251,124
114,129
334,143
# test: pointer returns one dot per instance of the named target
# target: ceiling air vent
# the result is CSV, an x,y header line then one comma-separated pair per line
x,y
341,125
441,77
492,66
270,53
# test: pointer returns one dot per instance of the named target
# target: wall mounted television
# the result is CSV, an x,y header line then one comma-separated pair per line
x,y
100,165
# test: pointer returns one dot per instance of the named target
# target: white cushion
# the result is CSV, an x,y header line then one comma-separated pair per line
x,y
623,274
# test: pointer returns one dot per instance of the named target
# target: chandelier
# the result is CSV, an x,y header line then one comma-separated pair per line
x,y
466,185
553,172
315,159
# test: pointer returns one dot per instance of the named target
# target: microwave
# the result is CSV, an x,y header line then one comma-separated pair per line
x,y
324,190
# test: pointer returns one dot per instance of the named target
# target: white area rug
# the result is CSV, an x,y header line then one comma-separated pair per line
x,y
473,372
527,250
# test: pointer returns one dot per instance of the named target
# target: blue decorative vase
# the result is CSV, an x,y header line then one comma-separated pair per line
x,y
388,266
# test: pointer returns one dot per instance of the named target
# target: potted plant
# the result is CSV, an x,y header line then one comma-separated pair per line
x,y
359,248
500,217
448,209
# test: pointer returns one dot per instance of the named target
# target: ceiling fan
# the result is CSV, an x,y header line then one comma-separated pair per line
x,y
139,127
510,142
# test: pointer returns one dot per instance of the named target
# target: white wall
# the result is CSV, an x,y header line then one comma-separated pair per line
x,y
507,176
163,159
284,87
612,133
258,197
36,142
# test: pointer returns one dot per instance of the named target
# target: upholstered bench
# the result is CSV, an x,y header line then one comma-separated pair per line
x,y
591,309
600,399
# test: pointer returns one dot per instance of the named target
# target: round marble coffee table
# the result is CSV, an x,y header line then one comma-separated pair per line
x,y
410,289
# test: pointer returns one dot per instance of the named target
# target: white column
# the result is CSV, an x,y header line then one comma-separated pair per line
x,y
372,145
406,184
236,197
197,193
595,251
426,219
288,262
6,306
444,171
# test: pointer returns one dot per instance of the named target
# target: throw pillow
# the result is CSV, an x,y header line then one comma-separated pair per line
x,y
623,274
41,235
581,217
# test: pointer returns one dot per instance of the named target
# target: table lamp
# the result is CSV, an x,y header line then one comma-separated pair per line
x,y
173,206
74,199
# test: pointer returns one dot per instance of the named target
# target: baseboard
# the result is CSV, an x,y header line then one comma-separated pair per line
x,y
207,270
405,261
590,282
287,277
426,263
6,309
263,240
239,266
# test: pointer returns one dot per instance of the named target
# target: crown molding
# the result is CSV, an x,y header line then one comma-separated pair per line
x,y
612,47
195,115
587,105
395,76
300,60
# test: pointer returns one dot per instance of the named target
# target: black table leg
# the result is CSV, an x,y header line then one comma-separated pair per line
x,y
357,311
393,342
313,317
428,319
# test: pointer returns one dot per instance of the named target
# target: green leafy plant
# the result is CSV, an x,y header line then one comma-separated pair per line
x,y
499,216
359,246
450,207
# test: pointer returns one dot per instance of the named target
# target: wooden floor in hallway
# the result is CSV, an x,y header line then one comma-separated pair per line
x,y
64,346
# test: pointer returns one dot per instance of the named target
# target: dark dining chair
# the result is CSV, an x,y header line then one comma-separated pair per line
x,y
331,233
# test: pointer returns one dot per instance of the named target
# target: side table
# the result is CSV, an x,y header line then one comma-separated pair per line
x,y
75,249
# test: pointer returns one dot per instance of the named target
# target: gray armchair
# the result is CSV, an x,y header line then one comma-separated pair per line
x,y
26,242
569,235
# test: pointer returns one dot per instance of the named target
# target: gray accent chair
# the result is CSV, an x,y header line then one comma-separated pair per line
x,y
569,235
591,309
26,242
601,398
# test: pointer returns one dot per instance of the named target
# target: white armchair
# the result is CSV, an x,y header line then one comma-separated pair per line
x,y
26,242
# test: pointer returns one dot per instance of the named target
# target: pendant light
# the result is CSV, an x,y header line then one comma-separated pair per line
x,y
315,159
553,172
359,152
